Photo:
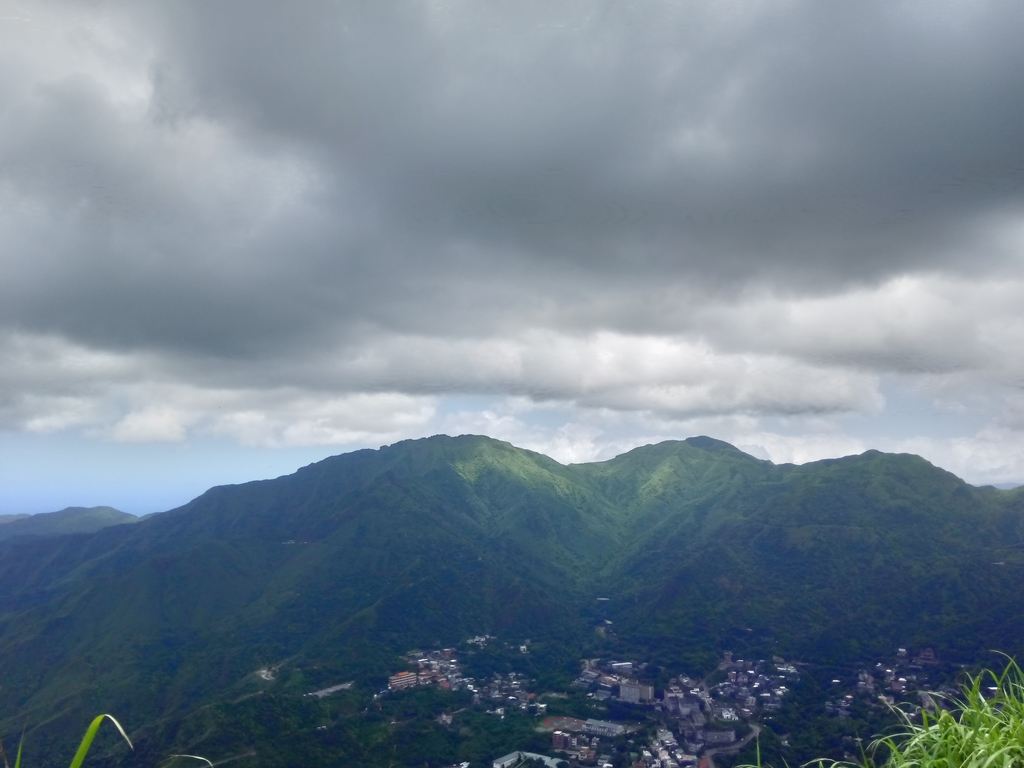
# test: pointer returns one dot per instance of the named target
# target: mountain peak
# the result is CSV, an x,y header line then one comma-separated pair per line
x,y
67,520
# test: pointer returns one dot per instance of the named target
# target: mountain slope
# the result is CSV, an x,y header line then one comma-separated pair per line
x,y
349,560
352,560
69,520
834,560
11,518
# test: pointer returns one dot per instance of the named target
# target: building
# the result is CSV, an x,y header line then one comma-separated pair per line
x,y
603,728
696,717
636,692
560,740
403,680
927,656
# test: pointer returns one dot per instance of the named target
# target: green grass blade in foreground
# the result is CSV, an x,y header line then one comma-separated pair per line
x,y
21,743
975,732
90,734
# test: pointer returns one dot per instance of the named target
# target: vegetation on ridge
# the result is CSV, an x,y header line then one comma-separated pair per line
x,y
70,520
331,573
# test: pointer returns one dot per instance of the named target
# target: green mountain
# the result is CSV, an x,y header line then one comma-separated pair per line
x,y
328,574
835,559
69,520
11,518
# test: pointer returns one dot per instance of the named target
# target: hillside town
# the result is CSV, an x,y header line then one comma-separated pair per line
x,y
436,667
442,669
684,723
651,721
903,681
695,716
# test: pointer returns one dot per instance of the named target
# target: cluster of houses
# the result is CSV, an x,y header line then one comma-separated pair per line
x,y
580,740
438,667
614,679
751,686
700,710
902,680
695,715
664,752
697,710
508,691
441,668
584,747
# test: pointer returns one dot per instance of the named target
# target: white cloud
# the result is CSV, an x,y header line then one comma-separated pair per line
x,y
152,424
301,420
644,221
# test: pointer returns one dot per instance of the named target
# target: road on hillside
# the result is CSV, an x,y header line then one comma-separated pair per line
x,y
755,728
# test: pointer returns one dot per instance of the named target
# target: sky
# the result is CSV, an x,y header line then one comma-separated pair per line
x,y
238,237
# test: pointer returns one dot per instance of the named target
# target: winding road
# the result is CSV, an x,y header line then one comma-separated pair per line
x,y
755,728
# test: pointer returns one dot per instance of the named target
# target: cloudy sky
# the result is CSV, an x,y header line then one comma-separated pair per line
x,y
237,237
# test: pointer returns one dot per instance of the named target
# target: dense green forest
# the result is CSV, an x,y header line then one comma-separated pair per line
x,y
335,571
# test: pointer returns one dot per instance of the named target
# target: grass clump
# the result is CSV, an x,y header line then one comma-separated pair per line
x,y
982,729
83,748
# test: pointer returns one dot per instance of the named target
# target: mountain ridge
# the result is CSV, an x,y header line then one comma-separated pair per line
x,y
64,521
351,560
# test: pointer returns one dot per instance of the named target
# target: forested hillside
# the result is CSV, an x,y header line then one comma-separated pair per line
x,y
334,571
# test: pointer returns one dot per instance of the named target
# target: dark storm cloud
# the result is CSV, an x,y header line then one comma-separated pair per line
x,y
809,142
411,197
